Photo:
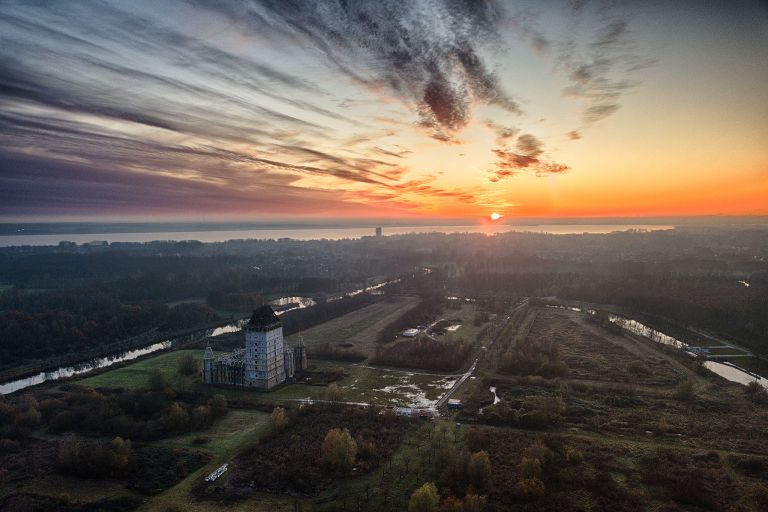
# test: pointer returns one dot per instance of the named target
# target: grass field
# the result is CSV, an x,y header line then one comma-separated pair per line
x,y
362,383
136,375
358,327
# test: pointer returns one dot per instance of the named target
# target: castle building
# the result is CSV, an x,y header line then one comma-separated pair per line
x,y
264,362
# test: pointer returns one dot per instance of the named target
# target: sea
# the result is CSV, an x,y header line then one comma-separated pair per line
x,y
52,234
40,235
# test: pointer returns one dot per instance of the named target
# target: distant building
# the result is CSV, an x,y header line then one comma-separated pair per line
x,y
264,362
378,231
410,333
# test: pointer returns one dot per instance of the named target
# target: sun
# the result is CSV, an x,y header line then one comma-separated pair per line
x,y
496,216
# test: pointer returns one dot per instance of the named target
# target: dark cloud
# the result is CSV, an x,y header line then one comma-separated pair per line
x,y
29,185
428,58
529,145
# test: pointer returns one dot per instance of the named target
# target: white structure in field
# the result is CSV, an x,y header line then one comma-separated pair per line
x,y
264,362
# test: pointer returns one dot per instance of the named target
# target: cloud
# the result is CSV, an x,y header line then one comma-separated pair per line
x,y
426,55
573,135
503,133
526,156
600,62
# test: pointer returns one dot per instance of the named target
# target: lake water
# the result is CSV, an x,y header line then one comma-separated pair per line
x,y
314,233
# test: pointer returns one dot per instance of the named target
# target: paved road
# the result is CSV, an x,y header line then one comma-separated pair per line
x,y
472,368
456,385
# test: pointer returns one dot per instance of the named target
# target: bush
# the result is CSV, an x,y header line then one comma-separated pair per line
x,y
685,391
93,459
425,353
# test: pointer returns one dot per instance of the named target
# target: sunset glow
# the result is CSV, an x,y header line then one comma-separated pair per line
x,y
197,110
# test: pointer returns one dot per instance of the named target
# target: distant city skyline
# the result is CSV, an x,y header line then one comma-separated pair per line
x,y
280,110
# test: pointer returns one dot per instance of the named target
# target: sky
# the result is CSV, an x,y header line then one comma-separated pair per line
x,y
288,109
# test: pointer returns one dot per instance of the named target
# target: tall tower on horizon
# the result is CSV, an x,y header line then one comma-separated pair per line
x,y
378,232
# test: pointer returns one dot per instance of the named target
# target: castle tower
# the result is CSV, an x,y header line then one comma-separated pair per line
x,y
264,349
300,356
208,364
288,362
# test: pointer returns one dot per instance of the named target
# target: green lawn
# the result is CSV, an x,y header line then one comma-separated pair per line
x,y
136,375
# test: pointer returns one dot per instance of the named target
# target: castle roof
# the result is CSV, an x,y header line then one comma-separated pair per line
x,y
264,318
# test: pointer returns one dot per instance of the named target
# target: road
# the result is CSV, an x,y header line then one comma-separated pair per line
x,y
472,368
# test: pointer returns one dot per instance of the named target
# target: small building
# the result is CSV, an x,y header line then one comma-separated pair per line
x,y
410,333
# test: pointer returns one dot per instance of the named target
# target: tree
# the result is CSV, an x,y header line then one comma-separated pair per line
x,y
424,499
120,455
188,365
279,419
339,450
479,471
333,393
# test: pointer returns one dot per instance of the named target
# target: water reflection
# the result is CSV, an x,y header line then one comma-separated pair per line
x,y
65,372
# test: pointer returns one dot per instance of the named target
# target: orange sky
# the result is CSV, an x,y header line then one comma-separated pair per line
x,y
256,111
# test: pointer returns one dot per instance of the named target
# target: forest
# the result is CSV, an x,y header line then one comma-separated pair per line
x,y
64,300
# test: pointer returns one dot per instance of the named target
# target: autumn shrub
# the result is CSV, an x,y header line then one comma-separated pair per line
x,y
424,499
